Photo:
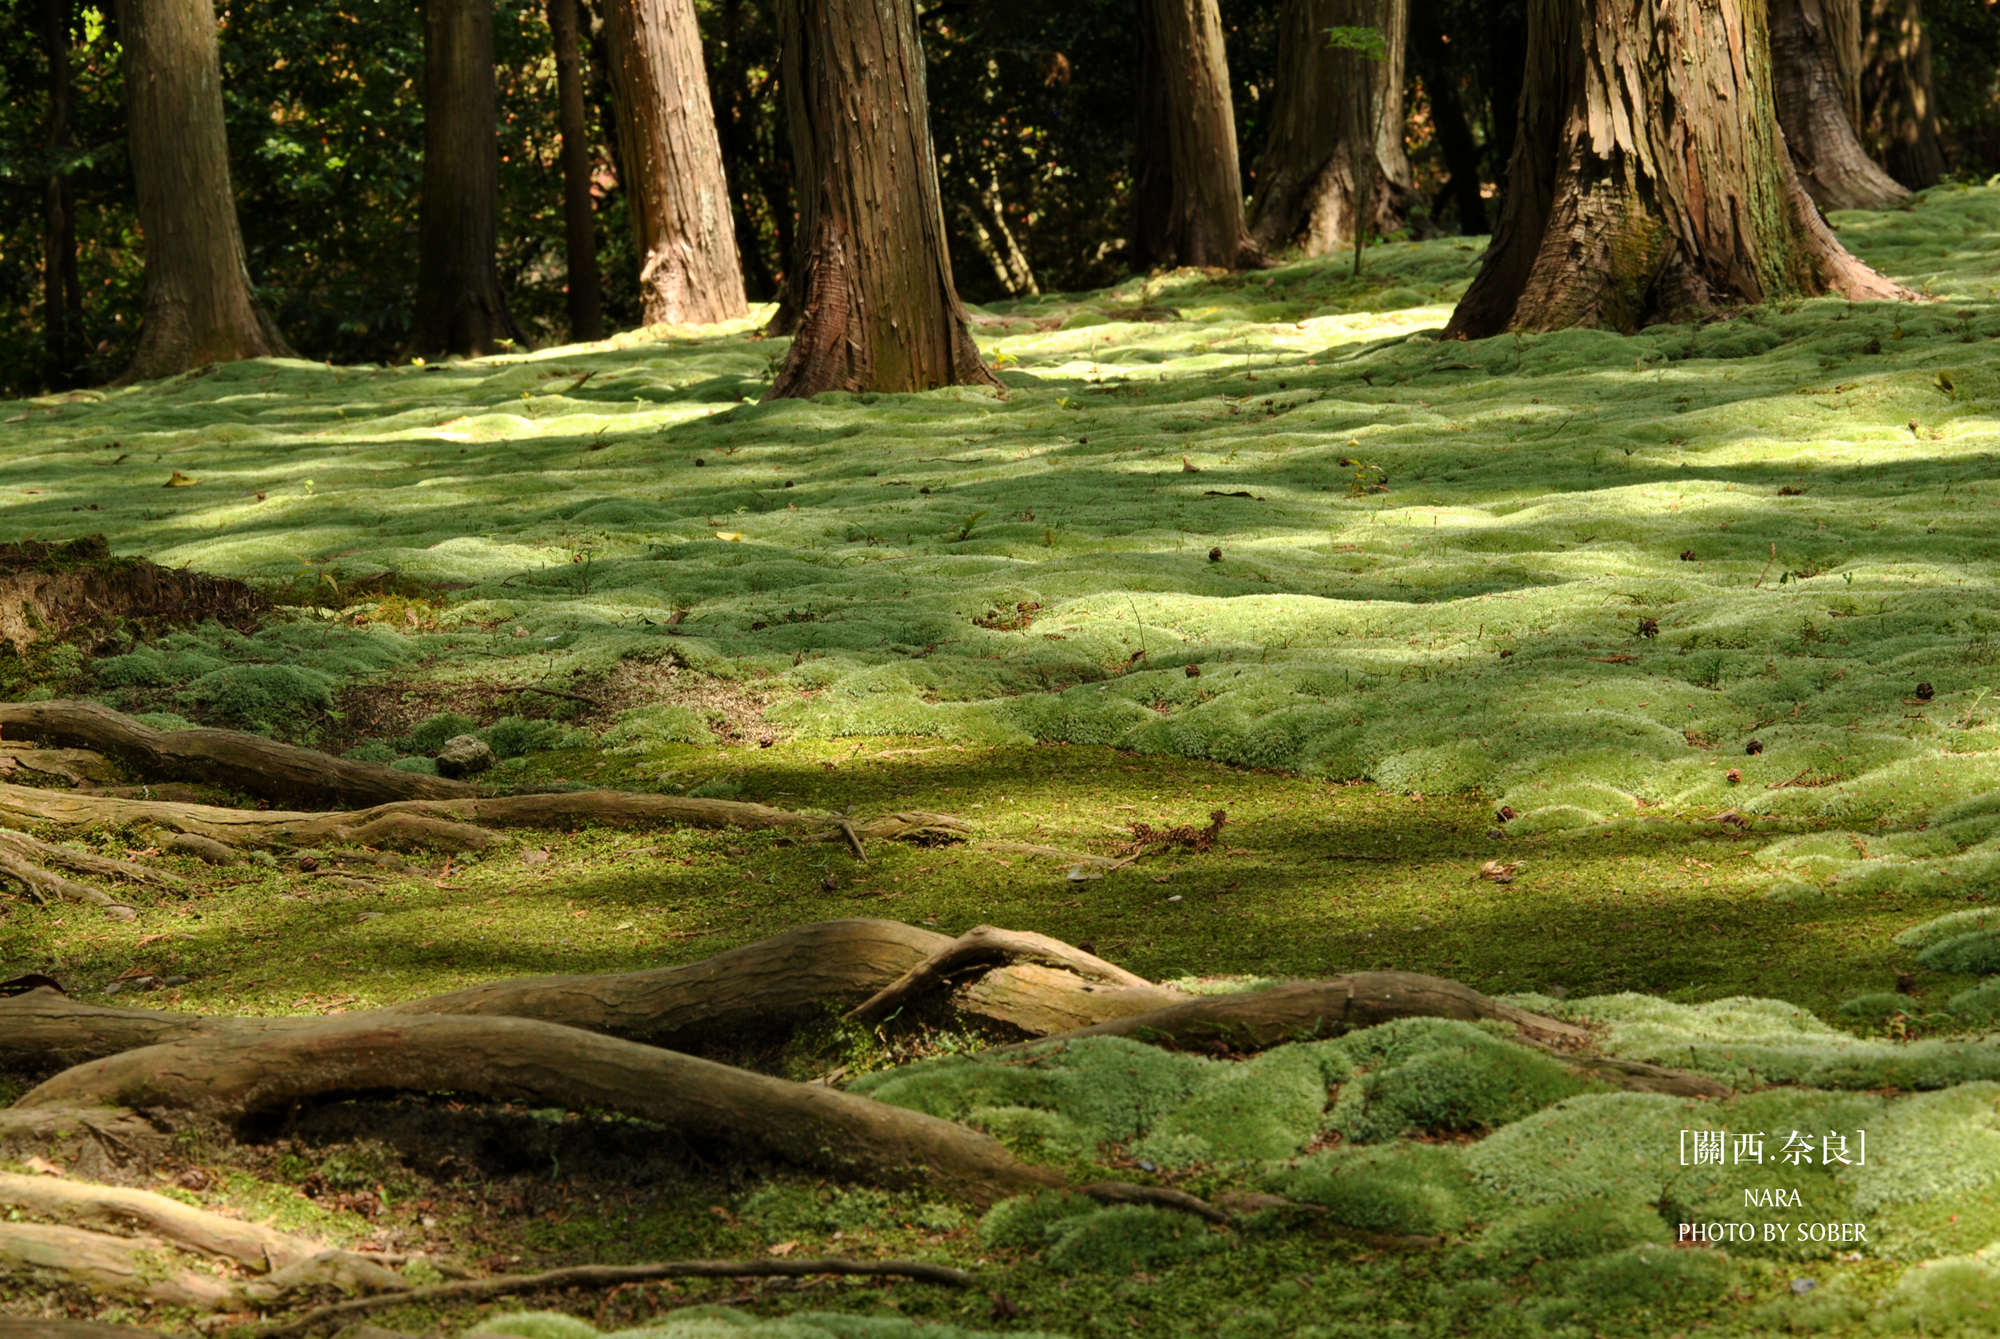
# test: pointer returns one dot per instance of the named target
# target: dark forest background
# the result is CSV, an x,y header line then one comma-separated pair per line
x,y
1031,105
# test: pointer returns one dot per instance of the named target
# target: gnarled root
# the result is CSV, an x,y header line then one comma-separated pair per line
x,y
808,1125
104,1266
84,1204
44,884
985,946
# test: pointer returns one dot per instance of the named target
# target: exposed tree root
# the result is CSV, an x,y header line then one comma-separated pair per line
x,y
103,1265
44,884
450,824
228,1077
83,862
770,983
1041,1000
21,1327
95,1141
83,1204
986,946
586,1276
244,762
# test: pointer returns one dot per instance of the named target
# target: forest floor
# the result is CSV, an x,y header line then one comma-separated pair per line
x,y
1225,543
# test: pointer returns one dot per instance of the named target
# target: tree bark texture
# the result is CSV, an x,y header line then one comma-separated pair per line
x,y
1205,221
1650,179
62,295
1816,63
460,307
1336,131
877,307
1899,108
199,308
688,271
586,286
1152,153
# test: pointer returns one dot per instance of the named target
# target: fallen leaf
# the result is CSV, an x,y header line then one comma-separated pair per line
x,y
1498,871
41,1166
782,1249
733,536
180,480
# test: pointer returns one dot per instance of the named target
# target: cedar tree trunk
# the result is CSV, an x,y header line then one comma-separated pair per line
x,y
460,308
1900,110
1650,179
586,287
199,308
688,273
877,309
1816,61
1204,223
62,295
1336,130
1152,154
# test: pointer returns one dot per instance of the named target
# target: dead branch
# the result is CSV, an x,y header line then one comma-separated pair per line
x,y
611,1275
344,1271
249,763
25,1327
84,1204
102,1265
1158,1197
517,1059
984,946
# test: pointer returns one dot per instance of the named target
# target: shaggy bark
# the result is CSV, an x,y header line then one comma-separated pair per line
x,y
587,1276
243,762
1335,145
516,1059
140,1212
460,307
876,306
1816,61
585,288
1649,179
1204,223
198,306
1898,105
688,271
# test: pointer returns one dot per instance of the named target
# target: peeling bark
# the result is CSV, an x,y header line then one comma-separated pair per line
x,y
1650,180
1816,60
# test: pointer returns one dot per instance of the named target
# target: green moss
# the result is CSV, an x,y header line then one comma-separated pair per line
x,y
1973,954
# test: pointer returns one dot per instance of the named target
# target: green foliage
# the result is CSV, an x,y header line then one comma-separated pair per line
x,y
430,735
1443,1076
1875,1007
1367,43
1977,954
1129,1237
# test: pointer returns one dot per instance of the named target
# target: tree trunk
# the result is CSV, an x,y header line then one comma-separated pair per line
x,y
62,295
756,167
1337,125
586,286
1899,108
1816,63
199,308
1650,179
1204,223
1152,154
1459,146
460,308
877,308
688,272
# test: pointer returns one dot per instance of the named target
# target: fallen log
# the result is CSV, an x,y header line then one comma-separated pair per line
x,y
586,1276
86,1204
986,946
452,824
515,1059
243,762
104,1266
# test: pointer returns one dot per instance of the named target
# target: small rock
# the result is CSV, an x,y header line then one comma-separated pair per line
x,y
1800,1287
1175,898
170,982
535,857
1925,692
736,852
829,884
464,755
1194,671
1754,747
766,742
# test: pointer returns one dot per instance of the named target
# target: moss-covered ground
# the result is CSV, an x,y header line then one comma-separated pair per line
x,y
1251,543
